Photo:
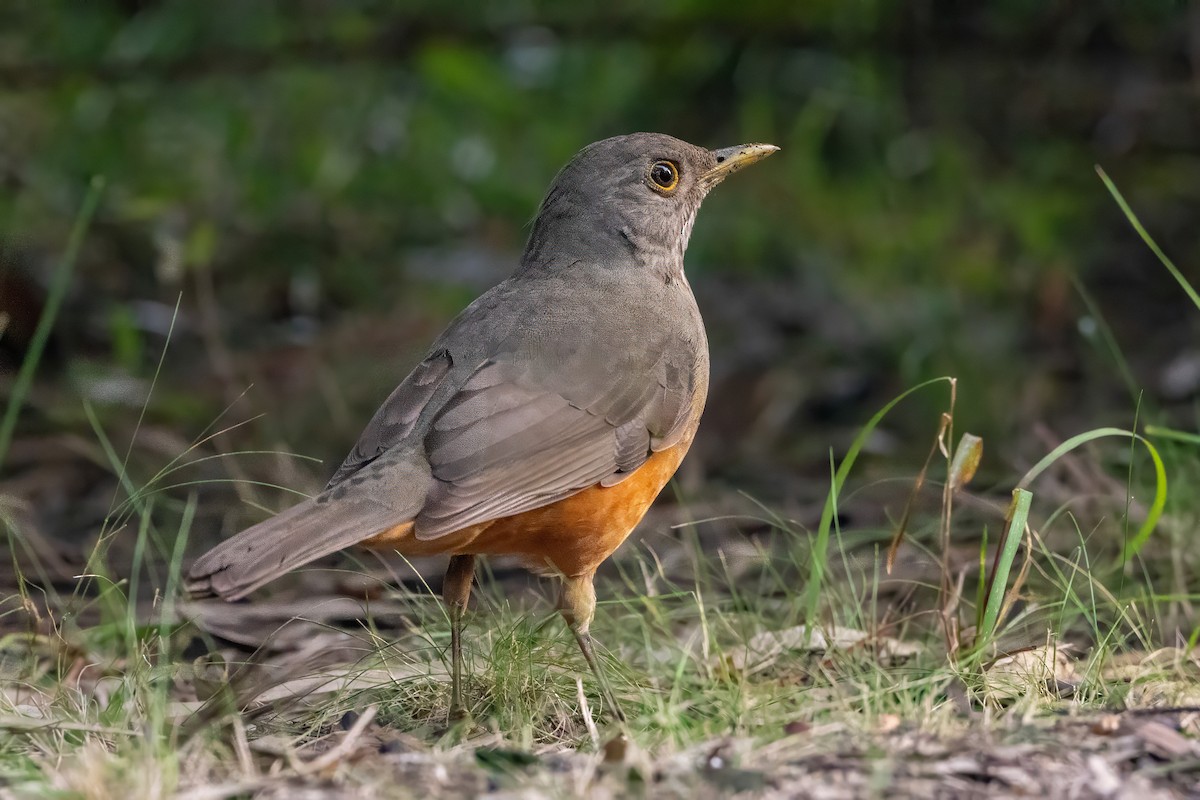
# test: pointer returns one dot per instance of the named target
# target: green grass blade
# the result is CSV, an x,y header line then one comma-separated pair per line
x,y
1107,337
1132,546
1137,226
820,548
1005,555
122,470
1172,434
174,579
59,284
981,583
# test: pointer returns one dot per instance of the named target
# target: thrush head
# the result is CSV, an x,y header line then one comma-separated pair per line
x,y
630,200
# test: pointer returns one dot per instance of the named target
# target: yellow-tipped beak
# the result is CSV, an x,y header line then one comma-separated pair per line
x,y
731,159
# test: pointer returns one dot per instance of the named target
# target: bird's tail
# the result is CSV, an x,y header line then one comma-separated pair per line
x,y
318,526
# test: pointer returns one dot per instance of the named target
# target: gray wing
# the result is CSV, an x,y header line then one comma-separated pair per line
x,y
398,415
512,440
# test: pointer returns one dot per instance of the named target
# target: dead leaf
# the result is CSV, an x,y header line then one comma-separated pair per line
x,y
886,723
765,648
966,460
1028,672
615,749
797,727
1165,742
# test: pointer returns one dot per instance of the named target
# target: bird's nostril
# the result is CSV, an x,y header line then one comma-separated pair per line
x,y
720,159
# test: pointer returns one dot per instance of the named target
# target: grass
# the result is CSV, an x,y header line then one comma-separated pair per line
x,y
58,290
727,657
731,665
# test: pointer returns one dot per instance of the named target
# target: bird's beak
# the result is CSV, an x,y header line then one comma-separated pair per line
x,y
731,159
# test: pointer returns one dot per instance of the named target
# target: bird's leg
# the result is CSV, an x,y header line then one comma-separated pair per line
x,y
456,590
578,606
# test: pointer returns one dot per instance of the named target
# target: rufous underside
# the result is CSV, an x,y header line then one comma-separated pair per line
x,y
572,536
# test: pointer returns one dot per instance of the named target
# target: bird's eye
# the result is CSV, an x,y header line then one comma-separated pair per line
x,y
664,176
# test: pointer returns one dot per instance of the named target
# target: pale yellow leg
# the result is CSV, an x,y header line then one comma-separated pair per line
x,y
456,591
578,606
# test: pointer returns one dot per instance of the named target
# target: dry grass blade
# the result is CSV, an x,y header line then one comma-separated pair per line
x,y
340,751
32,725
586,711
918,484
967,457
221,791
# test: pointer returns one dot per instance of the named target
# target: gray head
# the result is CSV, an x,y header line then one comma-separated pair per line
x,y
630,200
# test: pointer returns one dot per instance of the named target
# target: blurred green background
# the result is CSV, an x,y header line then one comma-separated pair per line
x,y
325,184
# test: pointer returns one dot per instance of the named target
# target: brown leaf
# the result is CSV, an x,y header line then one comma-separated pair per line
x,y
966,460
1028,672
1165,742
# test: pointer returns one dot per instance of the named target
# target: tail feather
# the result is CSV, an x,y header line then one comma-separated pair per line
x,y
311,529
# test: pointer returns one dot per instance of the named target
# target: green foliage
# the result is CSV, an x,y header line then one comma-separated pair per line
x,y
371,153
58,290
317,127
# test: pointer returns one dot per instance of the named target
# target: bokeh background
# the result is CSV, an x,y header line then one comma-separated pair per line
x,y
322,186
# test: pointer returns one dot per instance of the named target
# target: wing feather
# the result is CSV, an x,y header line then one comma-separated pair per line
x,y
509,442
398,415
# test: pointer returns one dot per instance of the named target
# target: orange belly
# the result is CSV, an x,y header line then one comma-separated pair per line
x,y
572,536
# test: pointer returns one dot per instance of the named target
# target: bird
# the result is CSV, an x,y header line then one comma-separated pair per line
x,y
546,418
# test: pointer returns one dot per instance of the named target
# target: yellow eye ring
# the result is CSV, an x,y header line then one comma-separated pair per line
x,y
663,176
